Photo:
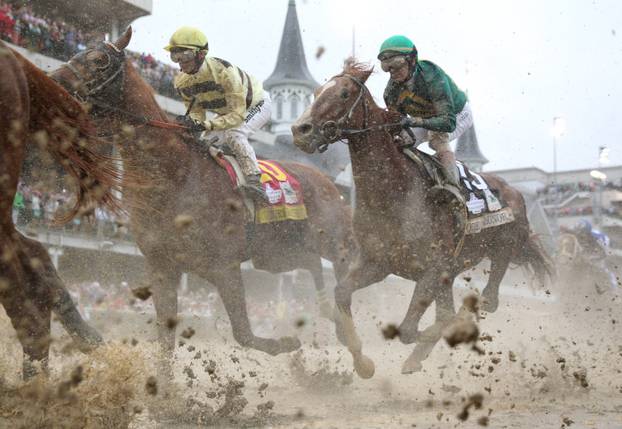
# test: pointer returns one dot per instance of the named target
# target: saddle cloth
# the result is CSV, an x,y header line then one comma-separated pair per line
x,y
484,207
285,200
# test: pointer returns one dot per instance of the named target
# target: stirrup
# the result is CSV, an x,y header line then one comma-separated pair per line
x,y
446,191
254,192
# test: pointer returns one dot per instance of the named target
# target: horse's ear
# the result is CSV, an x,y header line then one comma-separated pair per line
x,y
124,40
365,74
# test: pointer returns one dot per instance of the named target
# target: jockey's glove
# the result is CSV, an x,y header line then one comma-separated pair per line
x,y
191,124
410,122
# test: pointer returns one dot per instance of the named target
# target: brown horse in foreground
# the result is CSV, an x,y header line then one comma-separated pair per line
x,y
37,109
399,230
212,241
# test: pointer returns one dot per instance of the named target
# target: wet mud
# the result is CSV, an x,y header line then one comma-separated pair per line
x,y
542,362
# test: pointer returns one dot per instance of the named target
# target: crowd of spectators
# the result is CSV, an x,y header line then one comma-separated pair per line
x,y
554,197
56,38
94,296
268,318
556,194
157,74
37,206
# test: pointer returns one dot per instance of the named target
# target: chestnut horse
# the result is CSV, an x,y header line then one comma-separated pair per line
x,y
35,108
213,241
399,230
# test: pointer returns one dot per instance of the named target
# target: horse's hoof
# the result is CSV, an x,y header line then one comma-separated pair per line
x,y
413,363
490,305
411,366
408,336
364,367
88,341
289,344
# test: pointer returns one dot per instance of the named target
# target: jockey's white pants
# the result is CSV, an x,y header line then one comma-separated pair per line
x,y
439,141
237,138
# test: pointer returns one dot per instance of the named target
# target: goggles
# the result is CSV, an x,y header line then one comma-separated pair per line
x,y
182,55
387,63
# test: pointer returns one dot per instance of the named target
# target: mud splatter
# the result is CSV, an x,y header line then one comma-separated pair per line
x,y
100,392
322,379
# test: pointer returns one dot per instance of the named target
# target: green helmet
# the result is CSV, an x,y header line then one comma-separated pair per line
x,y
398,44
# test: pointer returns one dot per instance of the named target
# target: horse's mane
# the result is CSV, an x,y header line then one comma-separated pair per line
x,y
60,124
357,69
146,91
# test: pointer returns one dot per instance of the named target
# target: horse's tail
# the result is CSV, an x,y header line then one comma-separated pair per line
x,y
537,259
62,127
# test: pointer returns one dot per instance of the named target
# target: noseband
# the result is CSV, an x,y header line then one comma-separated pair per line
x,y
334,130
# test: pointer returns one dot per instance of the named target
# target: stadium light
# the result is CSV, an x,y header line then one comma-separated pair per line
x,y
598,175
559,127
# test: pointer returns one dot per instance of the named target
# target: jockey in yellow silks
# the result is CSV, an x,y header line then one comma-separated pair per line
x,y
238,100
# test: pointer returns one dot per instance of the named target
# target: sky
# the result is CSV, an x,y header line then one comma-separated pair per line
x,y
522,62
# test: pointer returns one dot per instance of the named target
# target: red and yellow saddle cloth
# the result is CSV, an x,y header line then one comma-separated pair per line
x,y
283,190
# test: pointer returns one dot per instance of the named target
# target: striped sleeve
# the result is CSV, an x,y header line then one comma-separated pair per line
x,y
235,100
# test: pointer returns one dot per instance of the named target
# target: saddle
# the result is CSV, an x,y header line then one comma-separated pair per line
x,y
475,206
285,196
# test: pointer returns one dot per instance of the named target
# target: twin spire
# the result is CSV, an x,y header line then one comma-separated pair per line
x,y
291,64
291,69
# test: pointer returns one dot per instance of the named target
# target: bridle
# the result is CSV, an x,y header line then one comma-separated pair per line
x,y
107,73
334,130
105,90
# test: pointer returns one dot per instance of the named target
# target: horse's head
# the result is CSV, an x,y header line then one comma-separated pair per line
x,y
340,109
569,248
97,73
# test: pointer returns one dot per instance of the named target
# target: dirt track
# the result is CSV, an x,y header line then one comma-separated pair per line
x,y
546,365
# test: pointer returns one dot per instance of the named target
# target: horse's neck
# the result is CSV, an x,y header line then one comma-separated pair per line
x,y
146,146
138,96
158,153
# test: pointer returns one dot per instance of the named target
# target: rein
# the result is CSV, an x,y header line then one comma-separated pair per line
x,y
142,120
333,130
95,88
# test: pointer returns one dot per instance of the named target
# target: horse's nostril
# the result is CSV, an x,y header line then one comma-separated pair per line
x,y
304,128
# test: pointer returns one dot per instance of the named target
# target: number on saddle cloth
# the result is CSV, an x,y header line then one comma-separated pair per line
x,y
480,196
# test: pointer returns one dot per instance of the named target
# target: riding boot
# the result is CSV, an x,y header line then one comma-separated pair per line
x,y
450,185
245,155
253,189
449,191
448,161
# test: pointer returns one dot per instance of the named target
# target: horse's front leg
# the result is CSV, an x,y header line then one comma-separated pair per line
x,y
363,273
431,287
164,288
27,305
313,264
83,335
490,294
228,281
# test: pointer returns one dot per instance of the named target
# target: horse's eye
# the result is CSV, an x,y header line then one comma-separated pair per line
x,y
344,94
99,59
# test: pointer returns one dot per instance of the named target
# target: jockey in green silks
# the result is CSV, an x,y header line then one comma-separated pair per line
x,y
434,108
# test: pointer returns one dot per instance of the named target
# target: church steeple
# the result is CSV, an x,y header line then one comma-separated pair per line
x,y
467,148
291,64
468,151
290,85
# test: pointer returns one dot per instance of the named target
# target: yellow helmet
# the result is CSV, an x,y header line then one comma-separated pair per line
x,y
188,37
